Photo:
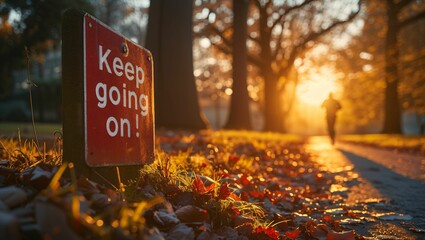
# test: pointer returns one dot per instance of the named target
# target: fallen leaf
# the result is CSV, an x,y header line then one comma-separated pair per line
x,y
87,187
198,186
165,219
53,222
228,232
319,231
9,226
180,232
241,220
12,196
243,180
232,211
38,177
266,233
233,159
293,234
223,191
347,235
257,195
153,234
7,175
191,214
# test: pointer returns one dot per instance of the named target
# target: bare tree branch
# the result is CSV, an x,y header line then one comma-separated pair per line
x,y
412,19
402,4
257,3
220,47
255,39
228,50
302,46
268,4
225,40
287,11
278,44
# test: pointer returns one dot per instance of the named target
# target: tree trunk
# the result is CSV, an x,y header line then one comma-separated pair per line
x,y
239,116
273,107
169,38
392,107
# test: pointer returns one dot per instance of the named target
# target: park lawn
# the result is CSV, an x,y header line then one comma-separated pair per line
x,y
215,175
10,129
410,143
201,185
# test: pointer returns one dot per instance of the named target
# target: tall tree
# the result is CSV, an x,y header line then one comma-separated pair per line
x,y
392,106
169,37
412,57
239,115
283,31
37,27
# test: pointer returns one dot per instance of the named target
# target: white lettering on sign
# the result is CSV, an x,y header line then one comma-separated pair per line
x,y
129,69
129,99
115,127
102,59
118,67
116,95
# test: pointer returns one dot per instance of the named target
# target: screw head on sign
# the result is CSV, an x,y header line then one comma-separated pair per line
x,y
124,48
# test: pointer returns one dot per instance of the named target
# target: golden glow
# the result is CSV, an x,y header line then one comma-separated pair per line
x,y
317,87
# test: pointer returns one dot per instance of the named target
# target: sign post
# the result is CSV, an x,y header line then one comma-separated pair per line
x,y
108,117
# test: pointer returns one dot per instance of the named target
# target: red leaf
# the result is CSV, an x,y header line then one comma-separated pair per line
x,y
348,235
210,187
293,234
233,159
190,214
234,197
223,192
318,231
270,232
327,218
233,211
244,180
198,186
257,194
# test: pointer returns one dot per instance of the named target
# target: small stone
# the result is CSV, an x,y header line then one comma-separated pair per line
x,y
9,227
164,219
181,231
12,196
4,163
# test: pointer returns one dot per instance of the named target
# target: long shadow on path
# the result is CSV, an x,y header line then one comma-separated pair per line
x,y
405,193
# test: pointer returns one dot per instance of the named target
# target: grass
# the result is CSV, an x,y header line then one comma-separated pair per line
x,y
24,154
393,141
222,158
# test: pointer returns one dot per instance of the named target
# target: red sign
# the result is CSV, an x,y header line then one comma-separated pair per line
x,y
118,98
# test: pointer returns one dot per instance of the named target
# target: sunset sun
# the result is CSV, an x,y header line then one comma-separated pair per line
x,y
316,90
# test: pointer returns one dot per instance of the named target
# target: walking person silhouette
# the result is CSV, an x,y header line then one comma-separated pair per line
x,y
331,106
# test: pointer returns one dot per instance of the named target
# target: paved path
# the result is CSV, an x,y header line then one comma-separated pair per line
x,y
382,174
408,165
